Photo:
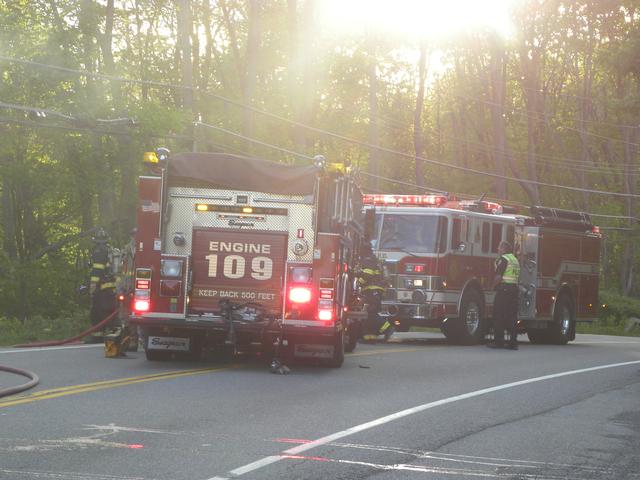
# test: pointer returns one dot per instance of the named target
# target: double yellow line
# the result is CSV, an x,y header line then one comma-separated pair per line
x,y
91,387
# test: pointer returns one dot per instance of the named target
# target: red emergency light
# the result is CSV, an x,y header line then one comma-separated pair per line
x,y
482,206
300,295
141,305
405,200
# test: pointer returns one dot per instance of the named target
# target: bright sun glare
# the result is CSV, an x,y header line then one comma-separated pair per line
x,y
419,18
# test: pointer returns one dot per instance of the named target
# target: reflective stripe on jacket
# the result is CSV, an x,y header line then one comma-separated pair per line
x,y
512,272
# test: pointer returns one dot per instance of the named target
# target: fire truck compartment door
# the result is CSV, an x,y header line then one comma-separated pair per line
x,y
240,266
526,248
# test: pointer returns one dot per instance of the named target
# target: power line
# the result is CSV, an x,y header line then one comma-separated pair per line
x,y
400,182
562,161
43,112
536,117
29,123
253,140
335,135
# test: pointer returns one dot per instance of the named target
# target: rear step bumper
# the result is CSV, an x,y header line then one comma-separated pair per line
x,y
297,327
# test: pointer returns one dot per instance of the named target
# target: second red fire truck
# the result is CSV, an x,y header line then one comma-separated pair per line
x,y
439,254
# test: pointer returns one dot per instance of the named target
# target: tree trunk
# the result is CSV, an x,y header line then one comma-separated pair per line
x,y
631,135
497,95
251,72
418,136
374,154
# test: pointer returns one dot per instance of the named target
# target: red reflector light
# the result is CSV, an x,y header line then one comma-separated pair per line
x,y
326,293
414,268
141,305
325,315
300,295
143,284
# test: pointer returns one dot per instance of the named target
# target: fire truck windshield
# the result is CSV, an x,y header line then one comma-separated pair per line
x,y
411,233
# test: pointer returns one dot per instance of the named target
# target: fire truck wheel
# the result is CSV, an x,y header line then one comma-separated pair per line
x,y
402,327
470,327
563,321
155,355
538,336
353,333
338,353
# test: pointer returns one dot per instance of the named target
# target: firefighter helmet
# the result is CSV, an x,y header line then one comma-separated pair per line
x,y
100,236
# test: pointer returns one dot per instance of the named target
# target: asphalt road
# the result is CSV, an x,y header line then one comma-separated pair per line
x,y
415,408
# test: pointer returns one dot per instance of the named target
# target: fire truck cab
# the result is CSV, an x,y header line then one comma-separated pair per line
x,y
439,255
239,252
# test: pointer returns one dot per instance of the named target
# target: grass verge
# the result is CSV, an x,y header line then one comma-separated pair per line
x,y
34,329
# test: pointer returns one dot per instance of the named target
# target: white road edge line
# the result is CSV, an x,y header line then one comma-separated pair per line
x,y
263,462
44,349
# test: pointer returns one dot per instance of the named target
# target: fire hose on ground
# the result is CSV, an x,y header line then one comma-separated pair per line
x,y
19,388
34,379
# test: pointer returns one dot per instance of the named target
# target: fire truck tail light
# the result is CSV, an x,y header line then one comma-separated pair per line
x,y
300,295
170,288
325,315
142,295
171,268
143,273
143,284
141,305
300,274
414,268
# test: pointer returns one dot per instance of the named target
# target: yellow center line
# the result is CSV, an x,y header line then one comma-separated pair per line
x,y
102,385
91,387
381,352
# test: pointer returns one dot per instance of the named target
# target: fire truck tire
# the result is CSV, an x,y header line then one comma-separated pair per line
x,y
470,327
353,333
402,327
338,352
157,355
564,321
538,336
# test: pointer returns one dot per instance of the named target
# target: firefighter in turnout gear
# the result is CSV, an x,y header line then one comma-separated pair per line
x,y
505,305
103,285
371,281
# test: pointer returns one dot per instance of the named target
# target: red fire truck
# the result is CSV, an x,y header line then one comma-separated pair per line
x,y
240,252
439,254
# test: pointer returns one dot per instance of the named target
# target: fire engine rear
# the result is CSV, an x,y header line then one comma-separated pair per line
x,y
439,255
239,252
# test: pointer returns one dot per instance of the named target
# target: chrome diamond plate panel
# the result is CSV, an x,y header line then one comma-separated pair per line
x,y
183,217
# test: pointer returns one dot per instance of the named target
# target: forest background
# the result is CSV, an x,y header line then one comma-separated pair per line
x,y
547,115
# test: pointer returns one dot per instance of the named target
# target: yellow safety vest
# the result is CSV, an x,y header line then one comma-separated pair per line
x,y
512,272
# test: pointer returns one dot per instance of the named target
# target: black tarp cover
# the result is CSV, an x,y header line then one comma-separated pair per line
x,y
235,172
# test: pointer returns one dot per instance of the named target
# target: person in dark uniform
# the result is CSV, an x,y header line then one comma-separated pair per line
x,y
371,281
102,286
505,304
